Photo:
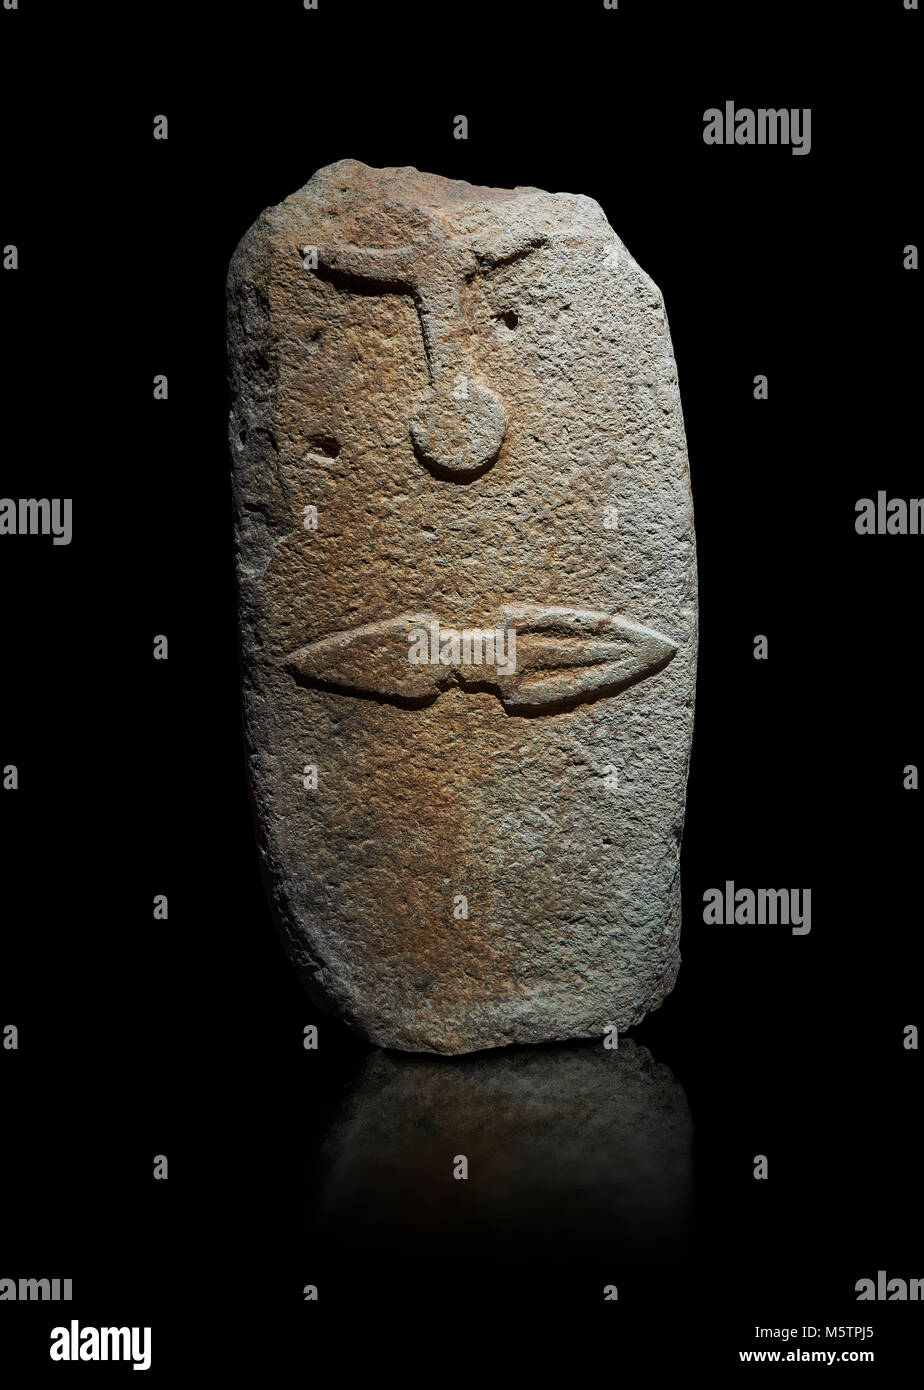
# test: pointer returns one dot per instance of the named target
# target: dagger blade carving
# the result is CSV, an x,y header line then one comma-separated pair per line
x,y
562,655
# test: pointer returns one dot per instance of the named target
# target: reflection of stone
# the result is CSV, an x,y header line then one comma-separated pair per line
x,y
566,1142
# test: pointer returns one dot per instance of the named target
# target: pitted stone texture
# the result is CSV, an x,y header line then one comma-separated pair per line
x,y
465,388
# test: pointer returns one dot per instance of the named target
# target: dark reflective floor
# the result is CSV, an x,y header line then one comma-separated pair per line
x,y
573,1144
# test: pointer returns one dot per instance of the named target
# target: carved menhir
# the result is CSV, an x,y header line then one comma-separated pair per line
x,y
468,606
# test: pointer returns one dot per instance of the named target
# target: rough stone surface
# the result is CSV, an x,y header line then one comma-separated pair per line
x,y
465,386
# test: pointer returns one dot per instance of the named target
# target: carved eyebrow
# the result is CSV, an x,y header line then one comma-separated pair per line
x,y
508,254
395,269
357,282
387,268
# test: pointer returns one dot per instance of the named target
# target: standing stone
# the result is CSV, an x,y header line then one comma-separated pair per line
x,y
456,433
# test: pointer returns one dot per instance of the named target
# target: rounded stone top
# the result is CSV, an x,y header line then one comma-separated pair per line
x,y
404,200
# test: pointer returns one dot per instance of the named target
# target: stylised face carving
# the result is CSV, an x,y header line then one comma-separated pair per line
x,y
468,390
461,427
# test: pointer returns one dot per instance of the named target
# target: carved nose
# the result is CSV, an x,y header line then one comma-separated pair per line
x,y
460,429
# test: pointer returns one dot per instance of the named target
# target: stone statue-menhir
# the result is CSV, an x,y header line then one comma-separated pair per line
x,y
467,588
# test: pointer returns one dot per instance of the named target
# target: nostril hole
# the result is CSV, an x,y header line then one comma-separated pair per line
x,y
509,318
324,444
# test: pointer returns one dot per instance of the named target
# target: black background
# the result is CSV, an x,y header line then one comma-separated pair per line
x,y
184,1038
